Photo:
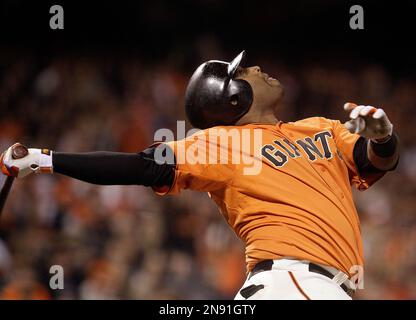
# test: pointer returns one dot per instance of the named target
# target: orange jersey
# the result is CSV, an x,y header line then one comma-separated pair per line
x,y
298,205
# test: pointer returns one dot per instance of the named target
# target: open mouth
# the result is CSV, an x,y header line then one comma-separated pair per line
x,y
267,78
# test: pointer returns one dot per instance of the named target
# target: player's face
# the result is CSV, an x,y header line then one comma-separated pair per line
x,y
267,91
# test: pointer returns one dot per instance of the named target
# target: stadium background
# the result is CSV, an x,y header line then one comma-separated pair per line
x,y
117,73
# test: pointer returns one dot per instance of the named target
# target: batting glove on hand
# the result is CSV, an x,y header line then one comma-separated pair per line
x,y
36,160
368,122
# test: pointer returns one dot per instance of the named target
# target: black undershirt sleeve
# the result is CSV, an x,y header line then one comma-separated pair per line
x,y
361,160
114,168
360,154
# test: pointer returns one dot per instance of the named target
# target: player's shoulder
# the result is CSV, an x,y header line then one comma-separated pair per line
x,y
317,122
221,131
214,135
203,134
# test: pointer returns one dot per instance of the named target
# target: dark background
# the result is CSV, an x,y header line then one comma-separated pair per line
x,y
290,30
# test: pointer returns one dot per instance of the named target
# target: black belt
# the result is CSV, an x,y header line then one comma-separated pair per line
x,y
266,265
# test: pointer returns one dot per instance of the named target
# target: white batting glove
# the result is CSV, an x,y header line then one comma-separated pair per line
x,y
369,122
37,160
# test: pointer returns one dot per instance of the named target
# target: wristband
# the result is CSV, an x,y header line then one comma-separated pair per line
x,y
44,160
385,148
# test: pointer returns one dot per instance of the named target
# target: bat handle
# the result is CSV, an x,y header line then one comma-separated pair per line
x,y
19,151
5,192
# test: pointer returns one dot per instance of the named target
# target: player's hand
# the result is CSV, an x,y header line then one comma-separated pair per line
x,y
18,161
368,122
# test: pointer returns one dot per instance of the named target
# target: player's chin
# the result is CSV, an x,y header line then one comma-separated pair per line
x,y
277,90
273,82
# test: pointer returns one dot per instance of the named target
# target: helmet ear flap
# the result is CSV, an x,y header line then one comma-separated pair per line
x,y
234,100
214,97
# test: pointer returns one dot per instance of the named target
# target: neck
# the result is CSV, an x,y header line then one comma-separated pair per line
x,y
264,117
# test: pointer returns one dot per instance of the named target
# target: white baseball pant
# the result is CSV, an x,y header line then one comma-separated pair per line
x,y
290,279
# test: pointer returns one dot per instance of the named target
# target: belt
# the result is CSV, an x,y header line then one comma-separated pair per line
x,y
267,265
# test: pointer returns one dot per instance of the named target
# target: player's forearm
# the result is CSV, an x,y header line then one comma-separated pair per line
x,y
112,168
384,155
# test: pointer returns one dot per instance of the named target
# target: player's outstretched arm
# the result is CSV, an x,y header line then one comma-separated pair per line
x,y
105,168
382,145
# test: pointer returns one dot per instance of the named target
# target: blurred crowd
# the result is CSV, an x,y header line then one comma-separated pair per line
x,y
124,242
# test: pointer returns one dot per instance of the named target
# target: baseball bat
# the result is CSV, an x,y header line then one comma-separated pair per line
x,y
18,151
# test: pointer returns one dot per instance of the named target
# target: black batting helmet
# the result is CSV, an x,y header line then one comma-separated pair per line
x,y
213,97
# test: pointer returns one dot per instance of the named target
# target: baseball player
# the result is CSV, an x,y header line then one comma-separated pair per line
x,y
296,215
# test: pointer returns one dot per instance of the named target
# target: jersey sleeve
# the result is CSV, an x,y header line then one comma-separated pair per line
x,y
347,146
197,166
